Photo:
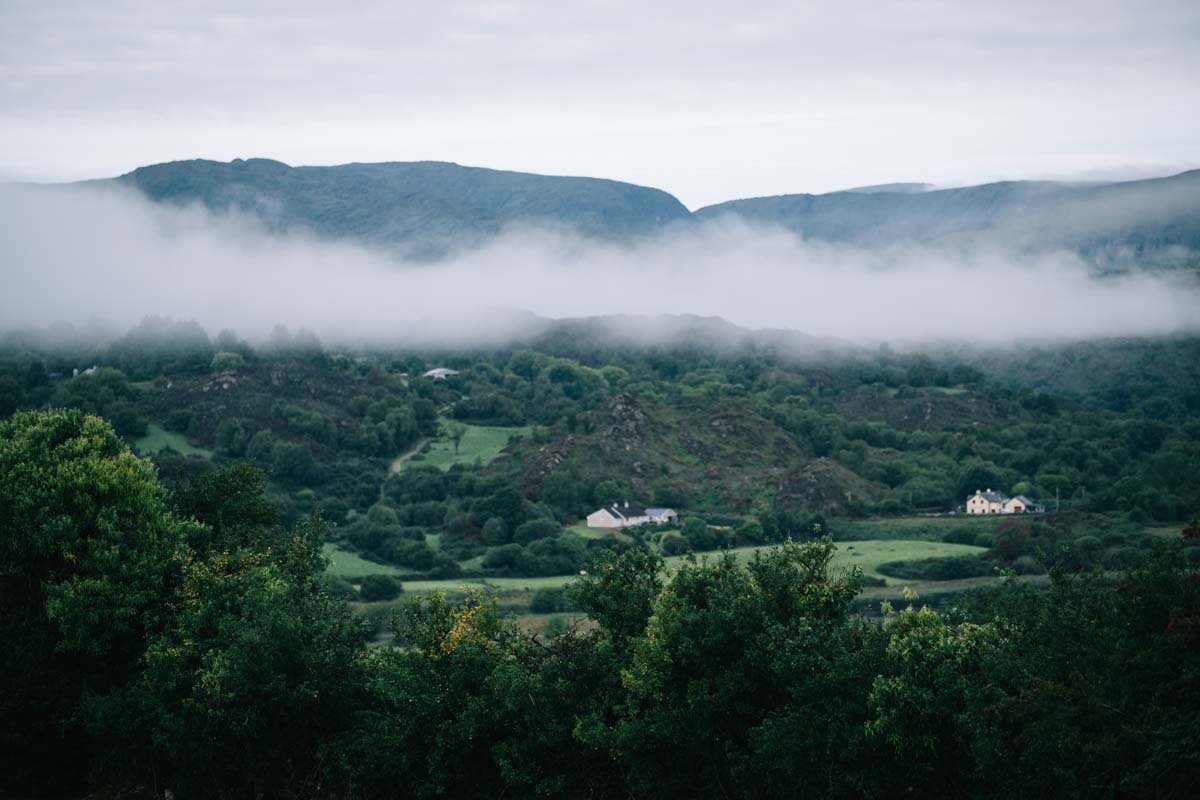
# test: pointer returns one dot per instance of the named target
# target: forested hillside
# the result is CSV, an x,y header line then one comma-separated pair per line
x,y
489,473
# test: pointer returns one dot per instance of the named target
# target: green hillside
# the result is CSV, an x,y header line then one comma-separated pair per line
x,y
1114,227
420,209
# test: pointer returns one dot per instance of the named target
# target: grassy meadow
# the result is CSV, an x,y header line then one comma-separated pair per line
x,y
346,564
158,439
480,443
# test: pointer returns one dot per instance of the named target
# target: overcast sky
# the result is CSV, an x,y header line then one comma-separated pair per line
x,y
709,101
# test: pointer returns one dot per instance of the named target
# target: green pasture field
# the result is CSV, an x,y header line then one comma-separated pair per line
x,y
597,533
157,439
350,565
490,585
480,442
866,554
869,554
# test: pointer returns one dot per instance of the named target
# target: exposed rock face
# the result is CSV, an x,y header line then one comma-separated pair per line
x,y
220,382
627,425
693,445
543,464
824,486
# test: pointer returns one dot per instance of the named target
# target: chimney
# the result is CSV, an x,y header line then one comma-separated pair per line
x,y
627,504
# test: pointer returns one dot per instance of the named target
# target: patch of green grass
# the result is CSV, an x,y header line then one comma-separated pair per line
x,y
473,564
1165,531
870,553
866,554
598,533
491,585
157,439
351,565
479,442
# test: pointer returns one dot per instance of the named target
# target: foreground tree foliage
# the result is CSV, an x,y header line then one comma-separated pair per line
x,y
157,651
156,641
89,557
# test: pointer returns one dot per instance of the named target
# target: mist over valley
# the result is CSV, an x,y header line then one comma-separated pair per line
x,y
389,251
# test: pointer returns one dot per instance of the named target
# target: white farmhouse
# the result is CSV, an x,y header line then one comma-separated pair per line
x,y
624,515
986,502
989,502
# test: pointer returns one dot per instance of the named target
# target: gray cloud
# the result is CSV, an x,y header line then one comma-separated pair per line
x,y
73,254
708,100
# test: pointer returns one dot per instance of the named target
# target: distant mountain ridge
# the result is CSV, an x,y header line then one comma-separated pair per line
x,y
1114,227
428,209
420,209
892,188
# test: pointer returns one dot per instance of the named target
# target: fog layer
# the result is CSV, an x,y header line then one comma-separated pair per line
x,y
73,254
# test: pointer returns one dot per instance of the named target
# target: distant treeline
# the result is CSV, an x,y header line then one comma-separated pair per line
x,y
182,642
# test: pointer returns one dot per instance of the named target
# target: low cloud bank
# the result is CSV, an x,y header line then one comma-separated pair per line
x,y
74,254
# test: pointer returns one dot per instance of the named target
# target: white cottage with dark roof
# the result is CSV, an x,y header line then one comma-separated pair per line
x,y
624,515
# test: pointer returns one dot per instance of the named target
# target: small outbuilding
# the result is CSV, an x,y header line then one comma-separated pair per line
x,y
1022,505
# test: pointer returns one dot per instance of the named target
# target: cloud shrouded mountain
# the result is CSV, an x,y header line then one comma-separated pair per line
x,y
1113,227
420,209
426,210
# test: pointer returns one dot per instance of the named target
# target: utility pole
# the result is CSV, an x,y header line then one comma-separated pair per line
x,y
1055,499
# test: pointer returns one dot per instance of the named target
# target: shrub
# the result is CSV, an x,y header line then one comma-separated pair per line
x,y
1027,565
179,419
941,568
445,567
963,535
698,535
339,587
536,529
750,531
225,362
506,557
555,627
672,544
495,532
377,588
550,601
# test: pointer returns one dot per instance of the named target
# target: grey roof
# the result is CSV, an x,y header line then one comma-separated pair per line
x,y
993,497
628,510
658,512
1026,500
